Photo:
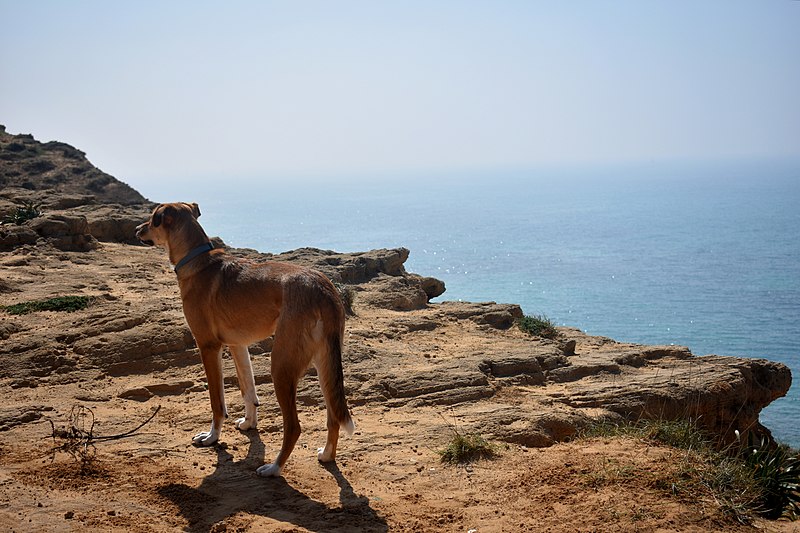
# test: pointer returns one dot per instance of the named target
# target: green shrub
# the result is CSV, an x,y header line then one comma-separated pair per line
x,y
22,213
538,325
777,473
466,449
60,303
39,166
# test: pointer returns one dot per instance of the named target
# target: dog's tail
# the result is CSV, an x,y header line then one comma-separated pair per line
x,y
333,380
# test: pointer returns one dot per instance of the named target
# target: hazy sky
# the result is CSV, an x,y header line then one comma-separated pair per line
x,y
183,90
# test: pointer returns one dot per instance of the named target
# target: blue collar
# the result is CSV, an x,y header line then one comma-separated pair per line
x,y
194,252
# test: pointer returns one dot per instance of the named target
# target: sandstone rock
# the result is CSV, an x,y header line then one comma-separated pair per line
x,y
537,426
13,236
350,268
568,347
526,369
115,223
433,287
398,293
423,384
7,328
128,348
379,274
141,394
15,416
500,316
68,201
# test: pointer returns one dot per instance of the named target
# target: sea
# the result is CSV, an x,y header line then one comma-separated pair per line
x,y
704,255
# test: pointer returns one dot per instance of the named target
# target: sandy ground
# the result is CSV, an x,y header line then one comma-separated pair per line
x,y
388,476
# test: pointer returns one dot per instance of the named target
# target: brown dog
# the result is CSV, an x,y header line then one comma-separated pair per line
x,y
236,303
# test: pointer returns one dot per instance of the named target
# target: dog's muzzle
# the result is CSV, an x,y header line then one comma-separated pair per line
x,y
140,230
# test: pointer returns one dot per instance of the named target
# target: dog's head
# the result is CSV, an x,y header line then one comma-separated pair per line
x,y
164,219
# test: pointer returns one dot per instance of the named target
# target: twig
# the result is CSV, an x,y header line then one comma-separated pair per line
x,y
127,433
79,437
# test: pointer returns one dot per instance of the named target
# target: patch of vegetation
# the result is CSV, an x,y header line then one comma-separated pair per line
x,y
22,213
611,472
18,151
67,150
39,166
776,469
683,434
348,296
538,325
466,449
15,147
59,303
761,478
99,183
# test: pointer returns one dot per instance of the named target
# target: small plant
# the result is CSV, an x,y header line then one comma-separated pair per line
x,y
611,472
683,434
77,438
348,296
60,303
466,449
777,473
538,325
22,213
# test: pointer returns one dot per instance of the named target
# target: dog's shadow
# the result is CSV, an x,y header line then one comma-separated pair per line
x,y
233,490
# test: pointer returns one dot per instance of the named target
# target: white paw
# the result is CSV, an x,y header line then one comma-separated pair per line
x,y
270,470
323,457
244,424
206,438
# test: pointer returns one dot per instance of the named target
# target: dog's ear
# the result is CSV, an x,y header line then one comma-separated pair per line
x,y
165,216
158,216
195,209
169,215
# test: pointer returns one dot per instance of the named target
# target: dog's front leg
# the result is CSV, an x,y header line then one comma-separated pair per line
x,y
211,355
247,384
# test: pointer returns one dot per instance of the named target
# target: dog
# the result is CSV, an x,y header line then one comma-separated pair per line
x,y
234,302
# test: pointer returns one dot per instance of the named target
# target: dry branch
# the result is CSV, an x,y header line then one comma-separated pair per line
x,y
78,437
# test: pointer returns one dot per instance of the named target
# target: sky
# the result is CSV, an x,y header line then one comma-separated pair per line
x,y
196,90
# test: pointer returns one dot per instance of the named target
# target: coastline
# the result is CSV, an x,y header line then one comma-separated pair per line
x,y
413,370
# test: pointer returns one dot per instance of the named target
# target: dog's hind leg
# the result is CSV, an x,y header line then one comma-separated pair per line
x,y
247,384
211,354
287,369
329,369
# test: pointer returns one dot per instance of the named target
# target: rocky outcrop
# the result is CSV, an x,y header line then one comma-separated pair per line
x,y
465,356
378,276
78,204
402,351
56,167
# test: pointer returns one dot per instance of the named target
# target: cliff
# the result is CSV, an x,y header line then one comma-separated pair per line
x,y
414,371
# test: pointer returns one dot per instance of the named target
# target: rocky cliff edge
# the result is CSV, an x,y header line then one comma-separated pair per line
x,y
414,370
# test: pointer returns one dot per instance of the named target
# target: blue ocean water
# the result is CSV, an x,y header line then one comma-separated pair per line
x,y
705,256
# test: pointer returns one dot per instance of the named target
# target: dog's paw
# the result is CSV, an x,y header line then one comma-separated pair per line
x,y
205,438
270,470
324,457
243,424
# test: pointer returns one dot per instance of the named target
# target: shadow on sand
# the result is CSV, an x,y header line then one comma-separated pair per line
x,y
235,488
